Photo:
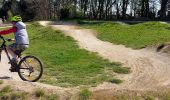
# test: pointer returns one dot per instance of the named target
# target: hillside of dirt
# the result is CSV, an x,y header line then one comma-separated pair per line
x,y
150,67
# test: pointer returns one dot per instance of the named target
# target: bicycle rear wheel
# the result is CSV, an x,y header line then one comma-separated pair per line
x,y
30,69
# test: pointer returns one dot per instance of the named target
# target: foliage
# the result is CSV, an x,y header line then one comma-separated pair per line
x,y
65,12
91,9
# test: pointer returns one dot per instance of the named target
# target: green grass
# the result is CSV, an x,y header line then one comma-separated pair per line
x,y
53,97
19,96
7,93
85,94
6,89
117,81
65,63
143,95
39,93
4,92
135,36
1,82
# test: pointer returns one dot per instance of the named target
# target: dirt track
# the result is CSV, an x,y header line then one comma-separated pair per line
x,y
4,69
17,84
150,69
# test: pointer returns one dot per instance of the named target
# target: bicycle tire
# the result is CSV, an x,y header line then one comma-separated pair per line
x,y
31,68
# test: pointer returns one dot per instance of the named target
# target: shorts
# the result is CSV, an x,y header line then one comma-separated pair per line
x,y
18,47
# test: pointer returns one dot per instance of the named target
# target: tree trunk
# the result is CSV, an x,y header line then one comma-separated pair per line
x,y
163,9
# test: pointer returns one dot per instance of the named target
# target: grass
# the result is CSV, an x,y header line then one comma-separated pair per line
x,y
39,93
135,36
1,82
85,94
65,63
6,89
19,96
141,95
117,81
7,93
4,92
53,97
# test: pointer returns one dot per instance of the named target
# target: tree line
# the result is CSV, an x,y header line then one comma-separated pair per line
x,y
87,9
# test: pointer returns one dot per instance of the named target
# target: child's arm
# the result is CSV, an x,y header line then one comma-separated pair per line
x,y
8,31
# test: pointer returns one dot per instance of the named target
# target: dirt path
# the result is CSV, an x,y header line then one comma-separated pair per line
x,y
17,84
4,72
13,79
150,70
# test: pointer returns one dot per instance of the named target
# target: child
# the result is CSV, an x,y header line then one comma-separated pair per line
x,y
21,38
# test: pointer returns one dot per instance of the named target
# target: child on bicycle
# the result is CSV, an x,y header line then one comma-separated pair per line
x,y
21,37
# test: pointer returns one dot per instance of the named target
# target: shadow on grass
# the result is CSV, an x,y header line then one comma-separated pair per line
x,y
133,22
82,22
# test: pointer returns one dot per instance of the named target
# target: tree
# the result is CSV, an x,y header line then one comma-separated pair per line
x,y
124,8
163,9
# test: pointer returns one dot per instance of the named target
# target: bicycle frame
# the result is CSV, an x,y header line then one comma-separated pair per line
x,y
18,67
3,47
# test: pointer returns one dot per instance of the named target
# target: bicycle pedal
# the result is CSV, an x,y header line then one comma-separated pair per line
x,y
13,69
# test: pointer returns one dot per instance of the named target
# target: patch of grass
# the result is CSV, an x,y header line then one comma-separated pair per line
x,y
143,95
135,36
117,81
5,97
53,97
85,94
19,96
122,70
4,92
149,98
6,89
1,82
39,93
65,63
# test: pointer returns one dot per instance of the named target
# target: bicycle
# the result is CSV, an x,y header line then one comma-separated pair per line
x,y
29,67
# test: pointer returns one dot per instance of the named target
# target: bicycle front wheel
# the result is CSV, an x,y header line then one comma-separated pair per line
x,y
30,69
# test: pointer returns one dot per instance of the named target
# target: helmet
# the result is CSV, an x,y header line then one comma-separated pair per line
x,y
16,18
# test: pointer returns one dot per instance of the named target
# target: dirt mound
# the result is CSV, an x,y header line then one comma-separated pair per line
x,y
150,69
164,48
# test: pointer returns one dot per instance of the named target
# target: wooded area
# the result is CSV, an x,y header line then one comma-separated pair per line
x,y
87,9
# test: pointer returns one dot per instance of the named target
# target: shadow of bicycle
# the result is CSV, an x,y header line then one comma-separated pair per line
x,y
5,77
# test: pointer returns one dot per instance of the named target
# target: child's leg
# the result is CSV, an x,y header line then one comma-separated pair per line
x,y
11,48
13,61
11,52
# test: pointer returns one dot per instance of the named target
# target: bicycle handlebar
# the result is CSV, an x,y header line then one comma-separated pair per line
x,y
1,36
4,40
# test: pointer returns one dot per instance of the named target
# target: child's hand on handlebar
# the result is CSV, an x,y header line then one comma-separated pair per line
x,y
10,40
